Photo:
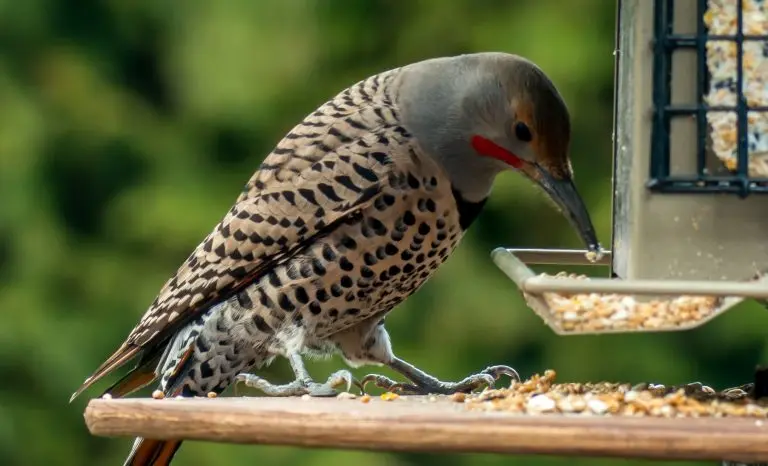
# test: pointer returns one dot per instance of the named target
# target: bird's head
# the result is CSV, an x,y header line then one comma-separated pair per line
x,y
482,114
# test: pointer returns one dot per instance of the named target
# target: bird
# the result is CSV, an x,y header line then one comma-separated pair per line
x,y
353,210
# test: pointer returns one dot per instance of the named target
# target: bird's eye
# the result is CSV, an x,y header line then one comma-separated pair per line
x,y
523,133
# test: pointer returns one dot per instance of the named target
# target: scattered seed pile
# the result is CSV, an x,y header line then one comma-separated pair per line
x,y
540,394
593,311
721,19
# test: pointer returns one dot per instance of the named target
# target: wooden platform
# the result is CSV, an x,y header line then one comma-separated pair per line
x,y
415,424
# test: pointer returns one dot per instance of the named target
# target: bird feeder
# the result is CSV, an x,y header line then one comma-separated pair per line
x,y
690,154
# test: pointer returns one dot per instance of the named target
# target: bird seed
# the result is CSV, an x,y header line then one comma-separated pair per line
x,y
588,312
540,394
722,61
594,256
389,396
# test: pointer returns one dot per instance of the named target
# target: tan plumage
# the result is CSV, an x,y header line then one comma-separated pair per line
x,y
352,211
229,258
154,452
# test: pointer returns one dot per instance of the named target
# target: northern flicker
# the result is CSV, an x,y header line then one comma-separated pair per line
x,y
353,210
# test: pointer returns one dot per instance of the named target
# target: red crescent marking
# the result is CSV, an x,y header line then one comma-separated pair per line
x,y
490,149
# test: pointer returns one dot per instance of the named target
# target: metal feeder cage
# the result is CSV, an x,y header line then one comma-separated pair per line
x,y
690,155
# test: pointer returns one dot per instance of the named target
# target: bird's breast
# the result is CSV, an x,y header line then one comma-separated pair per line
x,y
368,264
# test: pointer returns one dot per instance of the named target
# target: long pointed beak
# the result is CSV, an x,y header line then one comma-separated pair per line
x,y
567,198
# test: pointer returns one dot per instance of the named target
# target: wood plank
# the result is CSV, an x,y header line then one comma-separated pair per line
x,y
414,424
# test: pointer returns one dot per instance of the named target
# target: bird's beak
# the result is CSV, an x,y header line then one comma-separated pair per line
x,y
567,198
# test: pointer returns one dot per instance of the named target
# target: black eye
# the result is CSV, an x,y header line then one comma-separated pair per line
x,y
523,133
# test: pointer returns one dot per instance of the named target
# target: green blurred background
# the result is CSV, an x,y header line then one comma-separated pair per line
x,y
128,127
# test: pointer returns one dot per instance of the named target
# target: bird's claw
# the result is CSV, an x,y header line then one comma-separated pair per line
x,y
340,378
300,387
295,388
387,384
497,371
469,384
486,378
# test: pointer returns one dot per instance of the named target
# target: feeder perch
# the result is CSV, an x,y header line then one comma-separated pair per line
x,y
690,155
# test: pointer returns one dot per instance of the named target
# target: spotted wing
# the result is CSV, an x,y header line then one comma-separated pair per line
x,y
299,192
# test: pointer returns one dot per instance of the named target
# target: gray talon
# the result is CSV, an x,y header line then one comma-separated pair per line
x,y
389,385
403,388
295,388
424,384
497,371
320,390
380,381
341,377
487,379
338,378
299,387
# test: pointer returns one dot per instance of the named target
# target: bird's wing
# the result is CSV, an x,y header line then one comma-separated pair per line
x,y
305,187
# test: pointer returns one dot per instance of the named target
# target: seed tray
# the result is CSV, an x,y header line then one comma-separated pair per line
x,y
573,305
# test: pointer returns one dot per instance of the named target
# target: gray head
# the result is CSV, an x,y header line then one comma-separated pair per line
x,y
481,114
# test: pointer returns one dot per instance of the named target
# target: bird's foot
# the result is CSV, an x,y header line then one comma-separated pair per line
x,y
295,388
337,379
424,384
299,387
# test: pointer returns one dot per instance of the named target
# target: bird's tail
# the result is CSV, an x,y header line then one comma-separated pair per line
x,y
149,452
152,452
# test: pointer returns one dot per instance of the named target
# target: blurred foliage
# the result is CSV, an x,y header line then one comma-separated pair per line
x,y
127,128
